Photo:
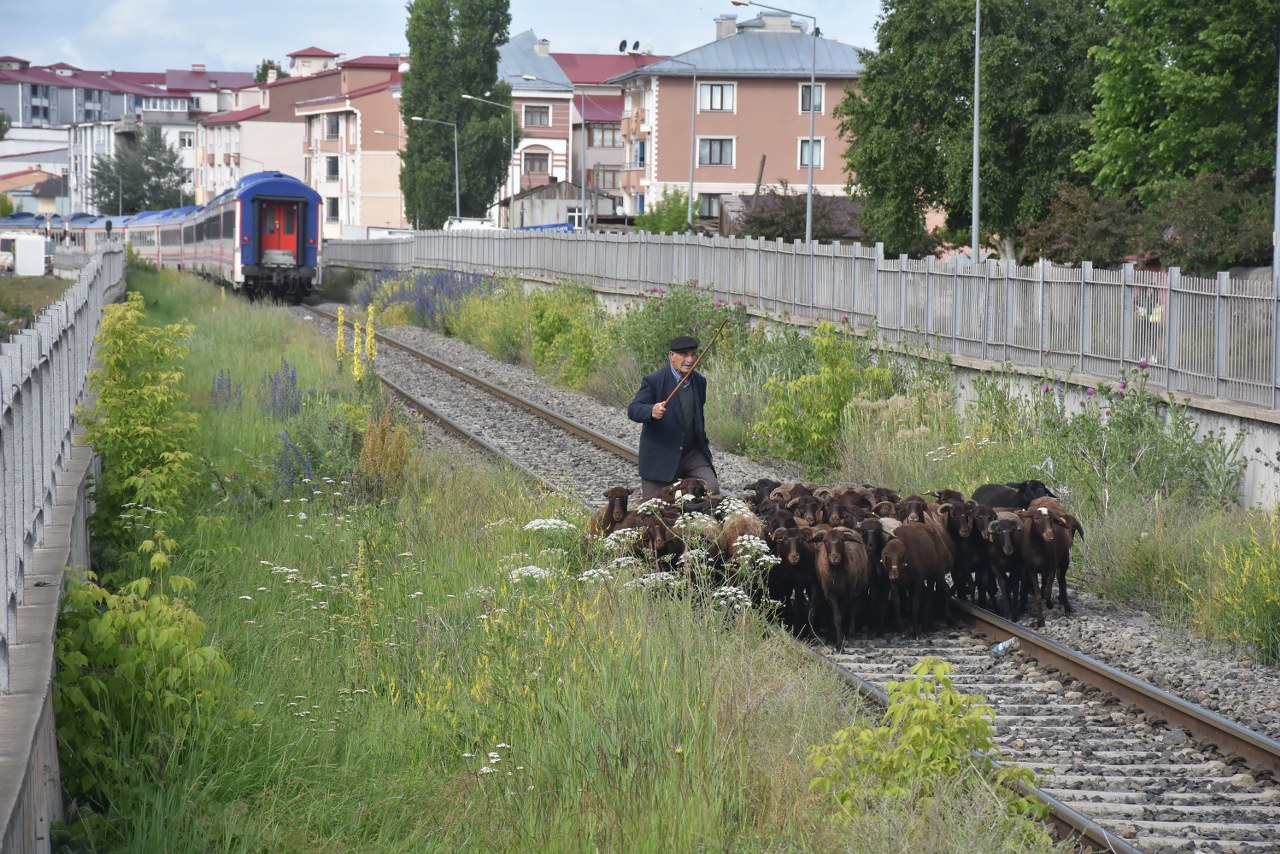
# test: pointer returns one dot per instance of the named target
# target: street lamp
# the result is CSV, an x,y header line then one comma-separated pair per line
x,y
457,196
511,198
977,32
582,110
813,96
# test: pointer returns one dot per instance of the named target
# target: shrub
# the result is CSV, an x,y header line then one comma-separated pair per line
x,y
427,296
1239,602
135,683
137,422
929,733
803,418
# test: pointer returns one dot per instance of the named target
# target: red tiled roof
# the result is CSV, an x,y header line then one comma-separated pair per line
x,y
141,78
64,66
286,81
584,68
12,59
311,51
235,116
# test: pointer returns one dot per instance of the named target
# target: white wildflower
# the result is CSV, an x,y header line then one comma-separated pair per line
x,y
731,599
521,573
597,574
550,525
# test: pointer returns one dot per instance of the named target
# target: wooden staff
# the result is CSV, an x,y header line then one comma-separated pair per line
x,y
696,362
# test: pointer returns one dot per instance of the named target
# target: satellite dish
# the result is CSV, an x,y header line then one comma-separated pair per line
x,y
635,45
622,46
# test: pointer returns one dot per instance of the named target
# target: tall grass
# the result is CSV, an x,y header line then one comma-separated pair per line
x,y
427,668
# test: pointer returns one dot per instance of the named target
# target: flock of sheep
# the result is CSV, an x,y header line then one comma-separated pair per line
x,y
853,558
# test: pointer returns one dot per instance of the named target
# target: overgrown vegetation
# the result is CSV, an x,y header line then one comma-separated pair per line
x,y
396,649
1150,489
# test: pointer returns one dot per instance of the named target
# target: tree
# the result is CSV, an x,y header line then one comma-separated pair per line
x,y
1083,225
669,216
1184,88
146,174
1211,222
909,129
454,45
5,124
6,206
780,213
261,73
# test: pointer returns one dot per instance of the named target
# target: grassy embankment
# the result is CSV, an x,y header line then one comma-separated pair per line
x,y
411,665
1157,500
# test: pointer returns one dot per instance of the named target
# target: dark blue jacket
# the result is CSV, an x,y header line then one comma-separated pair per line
x,y
662,441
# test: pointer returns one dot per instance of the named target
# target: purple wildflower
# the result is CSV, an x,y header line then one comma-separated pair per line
x,y
1091,391
1142,363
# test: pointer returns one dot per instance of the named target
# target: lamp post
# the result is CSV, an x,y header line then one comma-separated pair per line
x,y
977,41
582,111
512,145
813,97
457,195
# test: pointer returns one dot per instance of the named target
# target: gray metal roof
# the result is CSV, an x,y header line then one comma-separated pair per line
x,y
518,57
756,51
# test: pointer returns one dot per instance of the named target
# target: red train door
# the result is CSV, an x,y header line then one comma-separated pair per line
x,y
278,222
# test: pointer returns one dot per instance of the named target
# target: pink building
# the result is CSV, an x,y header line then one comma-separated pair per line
x,y
750,120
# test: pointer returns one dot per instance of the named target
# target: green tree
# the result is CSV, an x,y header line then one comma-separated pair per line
x,y
668,216
1184,88
1211,222
454,45
909,129
145,174
5,123
6,206
1084,225
261,73
780,213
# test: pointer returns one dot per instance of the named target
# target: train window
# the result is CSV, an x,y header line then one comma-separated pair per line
x,y
289,214
188,234
228,223
269,222
211,228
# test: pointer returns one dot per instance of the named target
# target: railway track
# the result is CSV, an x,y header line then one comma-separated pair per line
x,y
1121,763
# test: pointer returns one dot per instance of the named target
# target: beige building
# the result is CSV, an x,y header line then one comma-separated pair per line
x,y
355,169
750,118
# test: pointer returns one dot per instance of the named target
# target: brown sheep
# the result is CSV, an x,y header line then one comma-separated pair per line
x,y
914,563
1041,545
607,519
840,567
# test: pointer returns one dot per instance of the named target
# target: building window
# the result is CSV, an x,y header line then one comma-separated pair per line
x,y
537,117
537,161
817,92
709,204
637,153
331,129
187,139
331,209
817,153
606,135
608,178
331,168
715,152
716,97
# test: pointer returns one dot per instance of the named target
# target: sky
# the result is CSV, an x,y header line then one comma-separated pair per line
x,y
235,35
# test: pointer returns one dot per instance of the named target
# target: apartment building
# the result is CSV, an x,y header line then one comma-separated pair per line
x,y
748,116
351,144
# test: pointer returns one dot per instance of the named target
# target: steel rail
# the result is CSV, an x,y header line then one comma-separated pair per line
x,y
1231,737
610,444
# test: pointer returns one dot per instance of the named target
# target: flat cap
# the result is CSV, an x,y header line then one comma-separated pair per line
x,y
683,342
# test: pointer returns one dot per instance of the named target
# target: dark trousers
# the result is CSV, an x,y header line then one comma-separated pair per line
x,y
693,463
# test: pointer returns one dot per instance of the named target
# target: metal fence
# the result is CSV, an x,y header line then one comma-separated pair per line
x,y
1214,338
42,377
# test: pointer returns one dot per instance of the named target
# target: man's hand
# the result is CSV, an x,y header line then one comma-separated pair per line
x,y
659,409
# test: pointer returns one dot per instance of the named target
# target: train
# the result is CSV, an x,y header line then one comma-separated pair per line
x,y
261,237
